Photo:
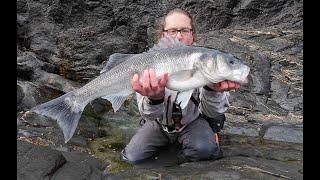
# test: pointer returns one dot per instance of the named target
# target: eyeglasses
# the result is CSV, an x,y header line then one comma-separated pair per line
x,y
174,32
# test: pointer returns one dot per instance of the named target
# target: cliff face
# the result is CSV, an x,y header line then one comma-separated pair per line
x,y
61,45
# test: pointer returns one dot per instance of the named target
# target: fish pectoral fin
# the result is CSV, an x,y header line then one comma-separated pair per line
x,y
184,97
114,60
186,80
184,75
116,101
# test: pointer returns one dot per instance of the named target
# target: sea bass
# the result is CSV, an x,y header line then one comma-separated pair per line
x,y
188,67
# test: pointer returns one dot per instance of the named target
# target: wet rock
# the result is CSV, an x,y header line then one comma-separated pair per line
x,y
78,141
244,130
235,118
275,152
285,134
222,14
133,106
23,29
28,133
35,120
43,45
79,166
29,62
26,65
282,96
100,106
50,136
88,127
35,162
274,119
20,95
240,133
48,131
30,94
237,167
55,81
25,92
121,125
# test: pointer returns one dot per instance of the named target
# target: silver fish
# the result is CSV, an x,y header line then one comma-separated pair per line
x,y
189,67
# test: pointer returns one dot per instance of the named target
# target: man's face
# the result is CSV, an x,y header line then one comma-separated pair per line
x,y
178,26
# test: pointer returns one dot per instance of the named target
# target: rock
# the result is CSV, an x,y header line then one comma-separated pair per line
x,y
120,124
88,127
243,130
100,106
48,130
236,167
20,95
55,81
26,65
27,133
30,94
275,152
44,46
35,162
30,121
133,107
25,93
274,119
235,118
293,135
23,29
281,96
50,136
80,166
78,141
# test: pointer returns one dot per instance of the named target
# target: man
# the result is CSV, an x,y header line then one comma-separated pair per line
x,y
193,127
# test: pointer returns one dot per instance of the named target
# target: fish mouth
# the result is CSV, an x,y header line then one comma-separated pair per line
x,y
244,81
243,77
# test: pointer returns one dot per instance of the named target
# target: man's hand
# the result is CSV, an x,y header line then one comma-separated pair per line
x,y
151,87
224,86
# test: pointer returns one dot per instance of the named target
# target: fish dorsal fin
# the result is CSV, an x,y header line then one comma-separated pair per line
x,y
114,60
165,43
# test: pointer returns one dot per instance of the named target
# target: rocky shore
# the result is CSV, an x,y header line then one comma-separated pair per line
x,y
61,45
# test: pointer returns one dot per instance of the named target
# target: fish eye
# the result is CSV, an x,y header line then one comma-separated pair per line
x,y
231,62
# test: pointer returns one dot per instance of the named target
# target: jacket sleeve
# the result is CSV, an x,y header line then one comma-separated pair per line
x,y
212,103
147,110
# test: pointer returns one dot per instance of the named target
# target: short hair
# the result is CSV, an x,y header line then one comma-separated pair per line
x,y
161,23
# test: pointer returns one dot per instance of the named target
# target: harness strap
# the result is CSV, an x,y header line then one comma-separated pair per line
x,y
193,99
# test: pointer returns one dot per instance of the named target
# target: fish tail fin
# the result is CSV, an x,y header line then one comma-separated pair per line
x,y
65,111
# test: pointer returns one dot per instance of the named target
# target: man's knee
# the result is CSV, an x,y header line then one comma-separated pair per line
x,y
202,151
133,157
144,143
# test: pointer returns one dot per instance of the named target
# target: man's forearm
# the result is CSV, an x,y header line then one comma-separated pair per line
x,y
212,103
149,109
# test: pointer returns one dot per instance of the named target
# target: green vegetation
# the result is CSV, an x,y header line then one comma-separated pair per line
x,y
108,149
